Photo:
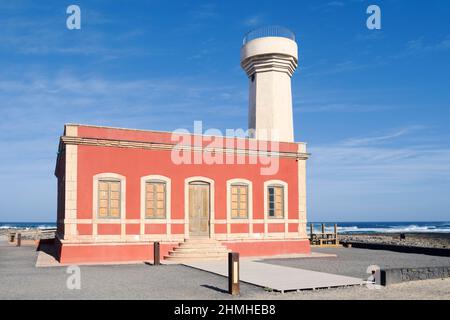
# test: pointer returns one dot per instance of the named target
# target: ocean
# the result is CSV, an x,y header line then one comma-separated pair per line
x,y
387,227
343,227
27,225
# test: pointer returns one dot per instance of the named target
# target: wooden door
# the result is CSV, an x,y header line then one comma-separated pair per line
x,y
199,207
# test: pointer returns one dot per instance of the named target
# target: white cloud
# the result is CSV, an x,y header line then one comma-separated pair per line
x,y
305,107
35,106
329,5
336,68
254,20
373,179
204,11
381,138
420,45
49,36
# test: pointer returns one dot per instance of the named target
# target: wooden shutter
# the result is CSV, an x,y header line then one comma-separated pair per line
x,y
279,202
103,195
239,201
114,201
275,201
155,192
109,198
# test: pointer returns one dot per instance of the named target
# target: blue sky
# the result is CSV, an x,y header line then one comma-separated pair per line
x,y
373,105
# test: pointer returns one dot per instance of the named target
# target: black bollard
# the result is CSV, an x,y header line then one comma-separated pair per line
x,y
19,239
156,254
233,273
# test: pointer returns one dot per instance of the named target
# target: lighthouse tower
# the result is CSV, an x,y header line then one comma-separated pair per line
x,y
269,56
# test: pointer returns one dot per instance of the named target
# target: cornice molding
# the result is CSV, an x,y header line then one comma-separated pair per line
x,y
270,62
66,140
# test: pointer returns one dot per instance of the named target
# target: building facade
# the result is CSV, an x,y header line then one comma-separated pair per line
x,y
120,190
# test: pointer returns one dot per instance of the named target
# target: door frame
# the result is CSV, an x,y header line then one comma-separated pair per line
x,y
187,181
199,187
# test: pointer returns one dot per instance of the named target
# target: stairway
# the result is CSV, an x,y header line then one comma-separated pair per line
x,y
195,249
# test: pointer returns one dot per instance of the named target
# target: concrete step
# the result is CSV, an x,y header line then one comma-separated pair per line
x,y
203,245
200,240
197,253
200,248
203,249
186,259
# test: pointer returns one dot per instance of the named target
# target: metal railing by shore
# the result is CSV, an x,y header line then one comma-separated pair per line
x,y
33,234
323,238
268,31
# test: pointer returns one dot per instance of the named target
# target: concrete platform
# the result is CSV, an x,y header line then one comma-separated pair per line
x,y
293,256
278,278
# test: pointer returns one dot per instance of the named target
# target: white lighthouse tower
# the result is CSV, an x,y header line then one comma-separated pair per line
x,y
269,56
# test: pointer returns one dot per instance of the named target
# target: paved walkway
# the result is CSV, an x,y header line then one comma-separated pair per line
x,y
278,278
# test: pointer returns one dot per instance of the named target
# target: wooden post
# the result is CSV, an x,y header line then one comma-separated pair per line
x,y
156,254
311,231
322,236
12,235
233,273
19,239
336,233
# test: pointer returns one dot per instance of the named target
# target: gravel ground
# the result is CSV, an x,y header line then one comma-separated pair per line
x,y
19,279
354,262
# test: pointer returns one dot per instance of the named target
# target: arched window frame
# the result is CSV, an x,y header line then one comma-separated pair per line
x,y
168,195
249,184
111,177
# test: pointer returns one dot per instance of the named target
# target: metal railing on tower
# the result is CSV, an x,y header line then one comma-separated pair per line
x,y
268,31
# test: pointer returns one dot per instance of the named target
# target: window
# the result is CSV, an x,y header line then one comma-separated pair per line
x,y
275,201
155,199
109,199
239,201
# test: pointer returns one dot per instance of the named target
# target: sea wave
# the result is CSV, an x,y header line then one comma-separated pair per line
x,y
26,226
386,227
344,227
395,229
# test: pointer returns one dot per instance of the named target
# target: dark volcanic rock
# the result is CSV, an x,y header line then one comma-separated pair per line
x,y
425,240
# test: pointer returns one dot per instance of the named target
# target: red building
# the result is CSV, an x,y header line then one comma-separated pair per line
x,y
120,190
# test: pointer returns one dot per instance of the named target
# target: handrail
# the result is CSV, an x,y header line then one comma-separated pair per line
x,y
268,31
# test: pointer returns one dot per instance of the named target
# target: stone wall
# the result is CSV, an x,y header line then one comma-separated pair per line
x,y
442,252
392,276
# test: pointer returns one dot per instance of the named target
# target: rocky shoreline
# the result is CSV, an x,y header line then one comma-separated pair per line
x,y
27,233
423,240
